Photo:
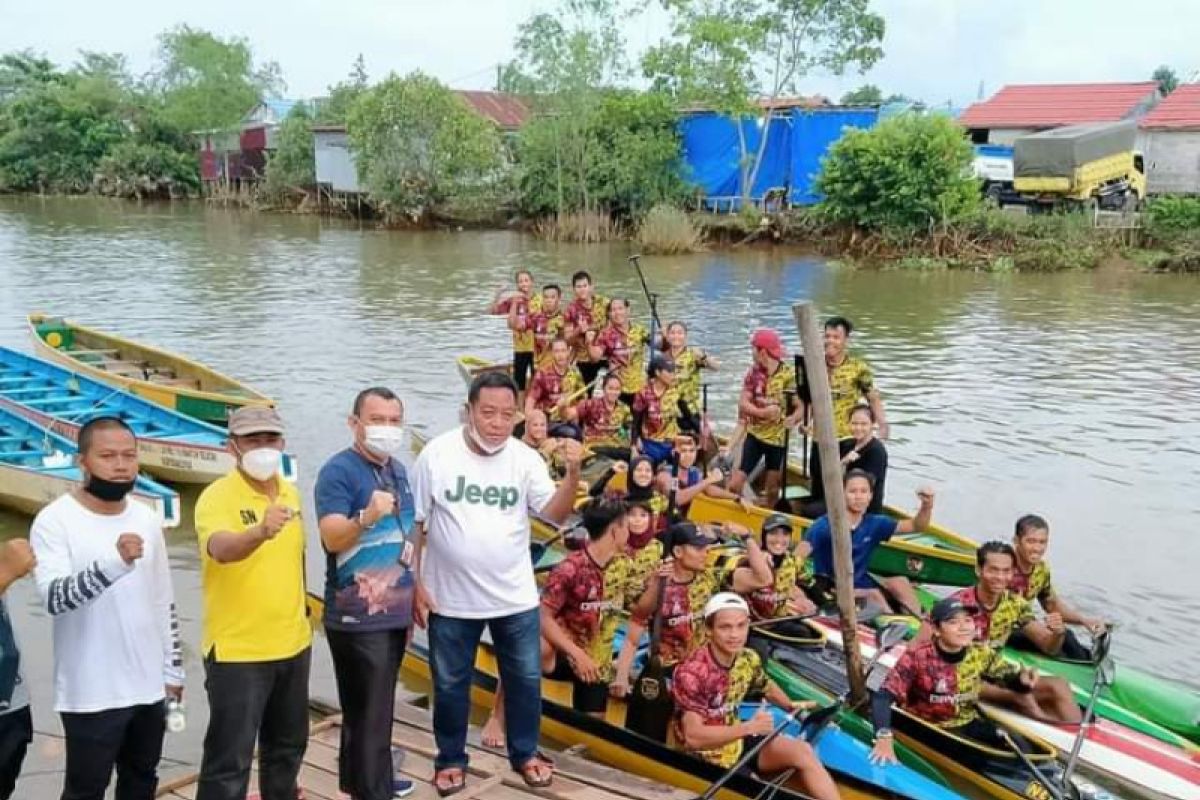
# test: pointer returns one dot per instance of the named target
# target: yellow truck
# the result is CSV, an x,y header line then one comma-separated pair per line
x,y
1088,166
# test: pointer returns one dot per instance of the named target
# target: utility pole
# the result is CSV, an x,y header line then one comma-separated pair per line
x,y
835,496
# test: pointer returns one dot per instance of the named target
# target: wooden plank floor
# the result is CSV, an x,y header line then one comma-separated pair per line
x,y
489,776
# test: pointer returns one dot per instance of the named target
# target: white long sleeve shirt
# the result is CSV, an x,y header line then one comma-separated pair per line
x,y
116,635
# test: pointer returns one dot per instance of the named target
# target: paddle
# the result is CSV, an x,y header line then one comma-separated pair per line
x,y
1105,670
652,299
781,503
650,706
805,397
888,638
1054,791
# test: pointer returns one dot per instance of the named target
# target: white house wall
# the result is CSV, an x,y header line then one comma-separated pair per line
x,y
335,164
1172,161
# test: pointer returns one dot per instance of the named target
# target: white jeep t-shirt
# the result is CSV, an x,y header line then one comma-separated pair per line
x,y
476,515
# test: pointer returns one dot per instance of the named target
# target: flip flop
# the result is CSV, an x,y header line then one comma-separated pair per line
x,y
529,775
457,782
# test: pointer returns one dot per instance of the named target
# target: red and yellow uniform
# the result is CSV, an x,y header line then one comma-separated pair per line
x,y
587,600
688,364
765,390
625,352
945,692
522,335
849,383
702,685
771,601
604,425
1033,585
659,412
586,318
682,607
549,386
545,328
993,626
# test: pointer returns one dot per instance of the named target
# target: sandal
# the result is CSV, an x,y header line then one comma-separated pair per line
x,y
538,772
455,781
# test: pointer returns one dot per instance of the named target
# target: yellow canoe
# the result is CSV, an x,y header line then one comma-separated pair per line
x,y
168,379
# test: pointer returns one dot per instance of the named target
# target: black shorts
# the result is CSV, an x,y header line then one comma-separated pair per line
x,y
754,451
590,370
988,734
522,369
588,698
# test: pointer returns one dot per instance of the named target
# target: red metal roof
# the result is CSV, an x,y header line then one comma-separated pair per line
x,y
506,110
1180,109
1054,104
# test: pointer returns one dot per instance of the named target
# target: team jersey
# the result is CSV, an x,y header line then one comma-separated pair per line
x,y
586,600
602,424
625,352
1034,584
545,328
702,685
549,386
941,691
585,319
643,562
771,601
766,390
660,413
849,383
682,607
993,626
522,336
688,364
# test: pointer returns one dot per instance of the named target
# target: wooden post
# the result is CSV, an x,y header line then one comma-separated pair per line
x,y
835,498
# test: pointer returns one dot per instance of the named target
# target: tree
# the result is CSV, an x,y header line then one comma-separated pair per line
x,y
903,175
1166,79
333,109
421,151
723,54
290,167
866,95
207,82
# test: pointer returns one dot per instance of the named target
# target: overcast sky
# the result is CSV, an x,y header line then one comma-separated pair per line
x,y
935,50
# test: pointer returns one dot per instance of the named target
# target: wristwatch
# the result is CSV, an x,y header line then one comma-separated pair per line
x,y
360,518
883,733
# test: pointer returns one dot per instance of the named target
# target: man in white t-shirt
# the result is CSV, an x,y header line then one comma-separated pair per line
x,y
103,575
473,488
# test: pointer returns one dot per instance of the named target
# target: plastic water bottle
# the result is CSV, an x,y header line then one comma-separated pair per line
x,y
176,721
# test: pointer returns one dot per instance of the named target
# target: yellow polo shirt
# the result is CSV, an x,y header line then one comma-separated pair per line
x,y
254,609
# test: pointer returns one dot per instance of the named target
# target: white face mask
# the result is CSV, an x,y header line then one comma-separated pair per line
x,y
383,440
262,463
481,443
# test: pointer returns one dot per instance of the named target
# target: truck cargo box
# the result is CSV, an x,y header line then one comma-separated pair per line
x,y
1058,152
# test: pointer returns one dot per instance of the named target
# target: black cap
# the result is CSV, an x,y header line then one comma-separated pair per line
x,y
686,533
946,608
662,361
777,521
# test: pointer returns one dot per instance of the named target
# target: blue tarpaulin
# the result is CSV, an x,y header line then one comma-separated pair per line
x,y
797,142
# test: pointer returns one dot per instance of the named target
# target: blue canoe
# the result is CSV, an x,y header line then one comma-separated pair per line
x,y
37,466
171,446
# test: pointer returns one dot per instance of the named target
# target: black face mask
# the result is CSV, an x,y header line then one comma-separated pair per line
x,y
108,491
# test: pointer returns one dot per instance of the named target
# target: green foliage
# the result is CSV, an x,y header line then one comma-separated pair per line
x,y
421,150
291,166
138,169
866,95
207,82
1168,218
1166,79
334,108
668,230
722,53
905,174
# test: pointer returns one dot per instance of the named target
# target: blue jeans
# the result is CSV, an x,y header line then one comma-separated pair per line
x,y
452,645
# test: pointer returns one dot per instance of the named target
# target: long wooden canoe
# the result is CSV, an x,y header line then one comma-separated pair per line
x,y
38,466
171,446
168,379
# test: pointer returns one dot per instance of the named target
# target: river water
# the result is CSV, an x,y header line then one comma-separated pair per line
x,y
1075,396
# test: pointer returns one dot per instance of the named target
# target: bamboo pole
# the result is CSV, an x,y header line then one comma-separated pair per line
x,y
825,433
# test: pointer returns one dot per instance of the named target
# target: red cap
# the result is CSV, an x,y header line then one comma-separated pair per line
x,y
767,339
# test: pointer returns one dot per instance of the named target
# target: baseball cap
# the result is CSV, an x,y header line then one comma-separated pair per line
x,y
724,601
777,521
767,339
686,533
255,419
945,609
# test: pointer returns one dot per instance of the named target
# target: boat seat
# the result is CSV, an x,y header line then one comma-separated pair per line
x,y
23,458
27,391
104,351
182,382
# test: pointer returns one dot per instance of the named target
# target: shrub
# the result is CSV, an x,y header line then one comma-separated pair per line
x,y
668,230
1173,220
578,226
146,170
905,174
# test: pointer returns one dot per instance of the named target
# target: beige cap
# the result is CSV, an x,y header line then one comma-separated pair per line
x,y
255,419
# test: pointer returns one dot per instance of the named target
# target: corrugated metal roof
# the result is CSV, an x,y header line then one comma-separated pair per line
x,y
280,107
1180,109
1054,104
506,110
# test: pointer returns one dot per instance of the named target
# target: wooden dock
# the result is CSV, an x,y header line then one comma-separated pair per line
x,y
489,775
